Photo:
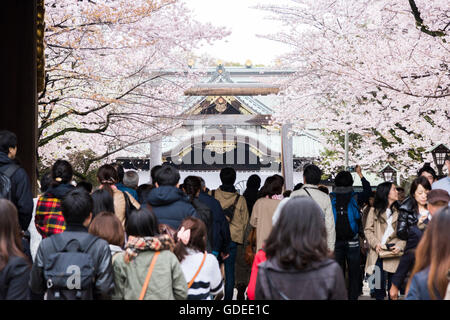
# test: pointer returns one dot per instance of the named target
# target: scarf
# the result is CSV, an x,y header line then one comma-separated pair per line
x,y
135,245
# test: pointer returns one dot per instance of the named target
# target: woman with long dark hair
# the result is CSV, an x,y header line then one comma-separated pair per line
x,y
298,266
15,267
49,219
191,186
429,277
410,212
381,234
123,201
251,192
103,202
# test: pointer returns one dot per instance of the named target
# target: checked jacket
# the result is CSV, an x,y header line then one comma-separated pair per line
x,y
49,219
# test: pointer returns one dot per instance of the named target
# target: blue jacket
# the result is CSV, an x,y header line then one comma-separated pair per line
x,y
221,228
419,287
361,197
170,205
21,194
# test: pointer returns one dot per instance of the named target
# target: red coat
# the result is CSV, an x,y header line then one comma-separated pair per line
x,y
259,257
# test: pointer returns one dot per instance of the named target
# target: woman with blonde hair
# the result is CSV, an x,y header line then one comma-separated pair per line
x,y
429,278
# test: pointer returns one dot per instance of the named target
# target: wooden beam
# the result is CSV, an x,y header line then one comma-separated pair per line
x,y
231,89
18,107
228,119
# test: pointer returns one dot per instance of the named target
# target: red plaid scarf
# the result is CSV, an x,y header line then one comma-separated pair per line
x,y
140,244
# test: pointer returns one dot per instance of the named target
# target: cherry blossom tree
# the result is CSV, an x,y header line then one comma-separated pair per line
x,y
106,89
377,68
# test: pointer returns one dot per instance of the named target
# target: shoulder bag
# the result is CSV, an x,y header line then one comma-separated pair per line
x,y
149,275
198,271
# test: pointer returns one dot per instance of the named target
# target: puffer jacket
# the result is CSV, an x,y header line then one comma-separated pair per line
x,y
407,228
170,205
99,251
323,280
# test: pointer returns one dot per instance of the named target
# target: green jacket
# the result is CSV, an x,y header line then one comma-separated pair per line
x,y
167,281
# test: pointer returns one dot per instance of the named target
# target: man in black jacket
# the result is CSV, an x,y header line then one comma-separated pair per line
x,y
20,193
221,227
77,211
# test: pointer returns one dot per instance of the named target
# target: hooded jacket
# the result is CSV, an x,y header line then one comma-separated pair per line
x,y
323,280
49,218
21,194
170,205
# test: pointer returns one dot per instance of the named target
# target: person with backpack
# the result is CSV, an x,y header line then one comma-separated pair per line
x,y
200,268
15,267
170,204
298,266
14,181
221,227
124,202
235,209
148,269
192,186
49,220
73,265
346,210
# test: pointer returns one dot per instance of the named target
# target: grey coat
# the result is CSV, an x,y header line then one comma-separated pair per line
x,y
322,280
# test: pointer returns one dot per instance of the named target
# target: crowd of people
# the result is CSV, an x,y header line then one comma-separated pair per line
x,y
173,240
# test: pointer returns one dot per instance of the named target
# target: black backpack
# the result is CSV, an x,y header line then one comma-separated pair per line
x,y
229,211
6,172
69,272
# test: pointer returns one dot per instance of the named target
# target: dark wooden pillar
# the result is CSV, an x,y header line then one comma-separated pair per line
x,y
18,100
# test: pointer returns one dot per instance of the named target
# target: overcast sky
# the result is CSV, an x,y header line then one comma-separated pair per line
x,y
244,23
